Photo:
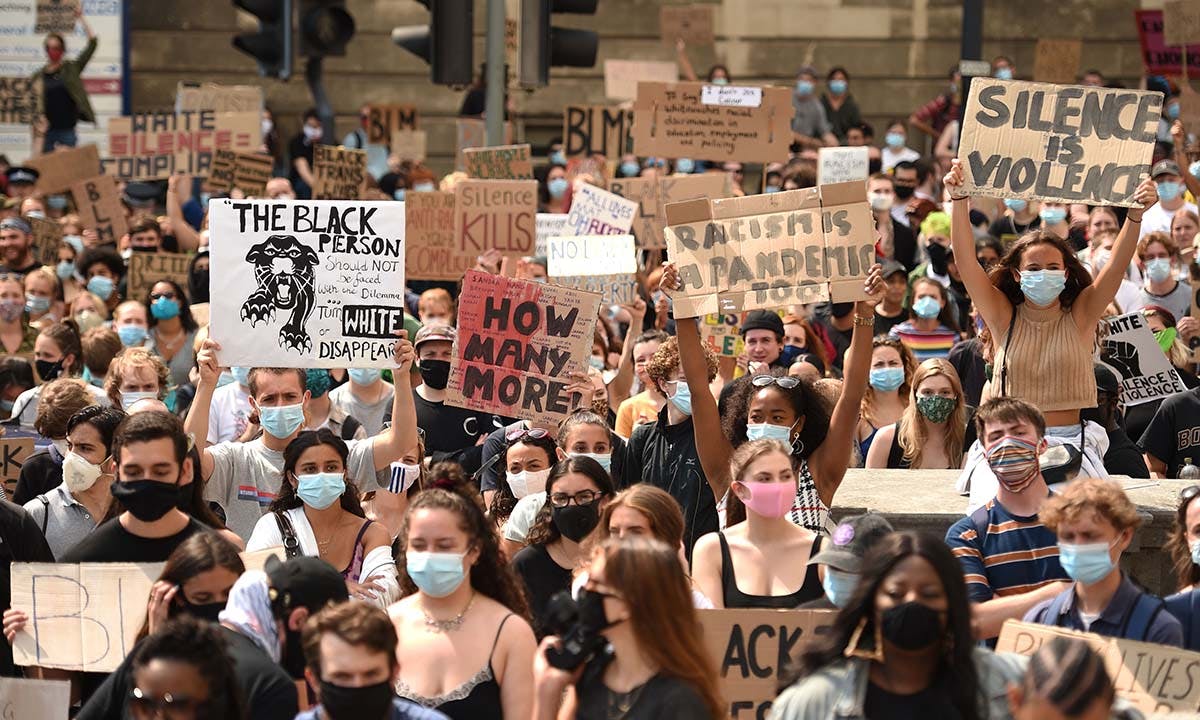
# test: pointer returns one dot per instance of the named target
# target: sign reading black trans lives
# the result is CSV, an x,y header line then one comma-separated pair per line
x,y
1065,143
316,283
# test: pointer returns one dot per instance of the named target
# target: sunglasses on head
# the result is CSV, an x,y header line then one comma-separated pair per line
x,y
786,382
522,434
1189,492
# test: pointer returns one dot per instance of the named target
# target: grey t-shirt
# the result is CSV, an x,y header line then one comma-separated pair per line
x,y
1178,301
810,118
246,477
61,518
371,416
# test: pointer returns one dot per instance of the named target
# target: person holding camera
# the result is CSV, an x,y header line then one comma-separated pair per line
x,y
638,602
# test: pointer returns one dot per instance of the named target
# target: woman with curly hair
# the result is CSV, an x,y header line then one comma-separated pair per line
x,y
528,456
929,435
182,670
464,645
892,367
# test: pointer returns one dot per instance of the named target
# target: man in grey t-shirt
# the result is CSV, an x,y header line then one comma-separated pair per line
x,y
366,398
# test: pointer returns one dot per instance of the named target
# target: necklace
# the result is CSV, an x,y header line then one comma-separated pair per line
x,y
445,626
619,704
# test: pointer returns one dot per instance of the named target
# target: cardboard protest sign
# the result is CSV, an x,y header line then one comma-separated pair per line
x,y
750,647
317,283
601,264
621,77
385,120
340,173
498,214
1155,678
1063,143
599,212
597,130
248,172
1181,22
147,268
1158,57
518,341
34,699
1135,357
653,195
1057,61
769,251
14,451
219,98
81,617
505,162
46,237
20,100
592,168
548,226
147,146
722,333
410,144
1189,106
63,167
842,164
472,133
431,250
673,120
99,207
692,24
55,16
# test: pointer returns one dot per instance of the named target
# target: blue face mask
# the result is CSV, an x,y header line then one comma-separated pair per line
x,y
282,422
788,354
771,189
558,158
682,399
839,586
64,269
93,381
927,307
1004,73
398,194
6,407
101,287
685,165
224,379
435,574
630,169
1158,269
887,379
1087,564
804,87
557,187
1194,546
320,490
131,335
1041,287
35,305
894,140
1168,191
1053,215
164,308
363,376
720,81
1015,204
767,431
423,187
241,374
605,459
837,87
1173,111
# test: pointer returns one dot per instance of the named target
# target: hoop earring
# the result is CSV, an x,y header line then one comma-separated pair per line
x,y
798,446
853,648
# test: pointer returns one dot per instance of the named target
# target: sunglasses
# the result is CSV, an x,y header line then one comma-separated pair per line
x,y
521,434
1189,492
168,706
786,382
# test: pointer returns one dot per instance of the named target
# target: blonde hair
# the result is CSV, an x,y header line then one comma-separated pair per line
x,y
435,297
913,433
1102,497
130,358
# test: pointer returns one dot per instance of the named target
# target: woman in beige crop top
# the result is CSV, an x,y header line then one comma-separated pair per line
x,y
1057,305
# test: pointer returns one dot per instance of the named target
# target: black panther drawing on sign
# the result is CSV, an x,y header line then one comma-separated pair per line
x,y
284,271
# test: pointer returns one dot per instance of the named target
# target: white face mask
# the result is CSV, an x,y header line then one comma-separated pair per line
x,y
129,398
403,477
880,201
527,482
79,474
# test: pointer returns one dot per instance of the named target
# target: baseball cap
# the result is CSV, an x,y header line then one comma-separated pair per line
x,y
1165,167
307,582
763,320
20,174
1106,381
891,267
850,542
435,331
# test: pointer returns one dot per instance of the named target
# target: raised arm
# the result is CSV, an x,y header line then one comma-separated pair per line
x,y
686,71
391,444
196,422
1181,158
185,235
622,382
991,303
1096,297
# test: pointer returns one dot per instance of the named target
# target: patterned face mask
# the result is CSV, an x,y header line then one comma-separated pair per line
x,y
935,408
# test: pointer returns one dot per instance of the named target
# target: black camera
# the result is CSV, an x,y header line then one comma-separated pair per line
x,y
578,640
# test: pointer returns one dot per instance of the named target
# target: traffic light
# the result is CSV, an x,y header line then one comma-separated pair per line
x,y
446,44
271,46
544,46
325,27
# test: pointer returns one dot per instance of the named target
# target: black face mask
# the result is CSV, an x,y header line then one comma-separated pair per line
x,y
904,192
293,655
48,370
435,373
206,611
371,702
841,310
147,500
575,522
938,258
185,495
912,626
199,286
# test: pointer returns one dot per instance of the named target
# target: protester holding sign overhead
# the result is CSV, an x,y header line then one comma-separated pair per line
x,y
64,98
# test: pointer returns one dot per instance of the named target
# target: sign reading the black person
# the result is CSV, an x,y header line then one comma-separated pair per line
x,y
1064,143
1135,357
307,284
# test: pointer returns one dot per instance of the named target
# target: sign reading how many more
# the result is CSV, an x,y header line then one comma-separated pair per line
x,y
518,341
1064,143
1135,357
148,146
340,173
602,264
677,120
99,206
307,283
769,251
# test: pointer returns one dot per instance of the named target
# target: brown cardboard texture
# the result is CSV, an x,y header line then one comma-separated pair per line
x,y
1057,61
146,269
500,214
621,77
410,144
384,120
691,23
503,162
99,207
1065,143
472,133
61,168
221,98
430,250
597,130
671,120
149,146
1181,22
46,237
340,173
652,196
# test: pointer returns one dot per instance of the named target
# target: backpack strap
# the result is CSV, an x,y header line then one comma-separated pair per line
x,y
1185,606
1142,616
1055,610
1004,366
350,426
45,511
291,545
980,521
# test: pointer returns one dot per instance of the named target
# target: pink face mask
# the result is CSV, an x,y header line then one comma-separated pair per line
x,y
55,54
770,499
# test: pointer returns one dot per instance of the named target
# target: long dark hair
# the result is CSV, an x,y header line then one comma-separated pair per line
x,y
946,314
1186,572
198,554
287,499
491,575
185,307
957,668
503,500
544,531
201,645
806,402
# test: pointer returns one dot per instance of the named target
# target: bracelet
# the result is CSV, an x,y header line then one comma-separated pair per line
x,y
863,321
1134,220
960,197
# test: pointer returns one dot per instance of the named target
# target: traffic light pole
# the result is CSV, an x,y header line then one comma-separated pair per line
x,y
496,80
313,75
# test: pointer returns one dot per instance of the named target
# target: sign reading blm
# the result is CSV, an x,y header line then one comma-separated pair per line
x,y
1064,143
318,283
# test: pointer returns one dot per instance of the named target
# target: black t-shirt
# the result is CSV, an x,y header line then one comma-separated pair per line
x,y
1173,435
267,690
41,473
661,698
61,112
20,271
933,701
111,542
1123,457
20,541
298,148
883,323
543,579
451,432
1006,225
967,358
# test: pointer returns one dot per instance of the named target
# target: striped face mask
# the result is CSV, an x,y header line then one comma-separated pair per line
x,y
1014,462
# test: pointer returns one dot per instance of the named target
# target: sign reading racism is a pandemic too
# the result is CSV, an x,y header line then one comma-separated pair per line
x,y
712,122
1134,355
157,145
1064,143
518,341
317,283
769,251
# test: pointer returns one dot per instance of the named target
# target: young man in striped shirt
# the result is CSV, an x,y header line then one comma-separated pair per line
x,y
1009,558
